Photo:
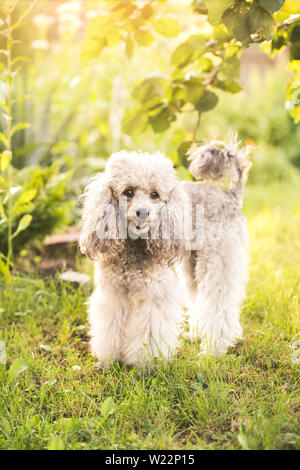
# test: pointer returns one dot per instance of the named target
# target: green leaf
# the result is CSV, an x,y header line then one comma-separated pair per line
x,y
216,9
92,48
25,197
229,85
295,114
151,90
178,137
279,40
271,5
3,139
17,367
293,96
295,51
147,11
5,160
198,40
189,50
134,121
244,20
18,127
182,153
167,26
23,224
3,182
107,407
4,270
231,67
236,21
178,94
143,37
231,50
294,66
2,211
261,22
291,7
205,64
295,43
194,90
221,33
182,54
162,121
20,59
208,101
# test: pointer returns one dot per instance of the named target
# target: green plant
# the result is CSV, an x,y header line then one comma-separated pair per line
x,y
203,63
50,207
33,200
9,205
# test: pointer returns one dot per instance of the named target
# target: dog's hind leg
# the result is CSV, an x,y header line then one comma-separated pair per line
x,y
221,275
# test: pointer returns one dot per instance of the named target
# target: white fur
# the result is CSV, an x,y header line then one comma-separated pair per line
x,y
135,310
136,324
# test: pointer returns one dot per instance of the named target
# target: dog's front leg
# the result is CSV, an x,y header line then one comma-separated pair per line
x,y
106,314
152,326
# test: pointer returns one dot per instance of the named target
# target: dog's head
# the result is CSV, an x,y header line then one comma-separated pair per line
x,y
137,197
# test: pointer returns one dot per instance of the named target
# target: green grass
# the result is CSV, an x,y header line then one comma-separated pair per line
x,y
248,399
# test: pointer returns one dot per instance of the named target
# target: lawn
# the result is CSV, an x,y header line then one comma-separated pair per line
x,y
55,397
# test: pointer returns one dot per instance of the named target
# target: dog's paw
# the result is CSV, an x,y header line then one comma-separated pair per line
x,y
103,365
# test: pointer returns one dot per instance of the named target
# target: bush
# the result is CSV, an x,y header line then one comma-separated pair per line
x,y
50,208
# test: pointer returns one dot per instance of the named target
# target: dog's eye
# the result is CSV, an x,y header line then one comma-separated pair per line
x,y
128,193
154,195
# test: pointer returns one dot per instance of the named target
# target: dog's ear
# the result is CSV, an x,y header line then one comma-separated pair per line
x,y
171,244
99,220
178,209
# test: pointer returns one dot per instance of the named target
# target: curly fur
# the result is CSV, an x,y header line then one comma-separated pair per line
x,y
135,310
216,275
216,160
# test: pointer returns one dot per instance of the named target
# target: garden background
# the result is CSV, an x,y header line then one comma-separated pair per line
x,y
78,81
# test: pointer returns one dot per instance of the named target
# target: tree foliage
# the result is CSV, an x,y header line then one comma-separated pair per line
x,y
203,63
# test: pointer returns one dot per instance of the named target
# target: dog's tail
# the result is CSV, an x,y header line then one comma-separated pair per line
x,y
216,160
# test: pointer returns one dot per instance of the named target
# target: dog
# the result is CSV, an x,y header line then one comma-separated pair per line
x,y
135,311
216,273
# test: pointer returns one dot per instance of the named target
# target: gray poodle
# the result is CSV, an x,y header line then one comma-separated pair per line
x,y
216,273
138,221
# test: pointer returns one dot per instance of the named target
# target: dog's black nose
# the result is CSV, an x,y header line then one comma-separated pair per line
x,y
142,214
